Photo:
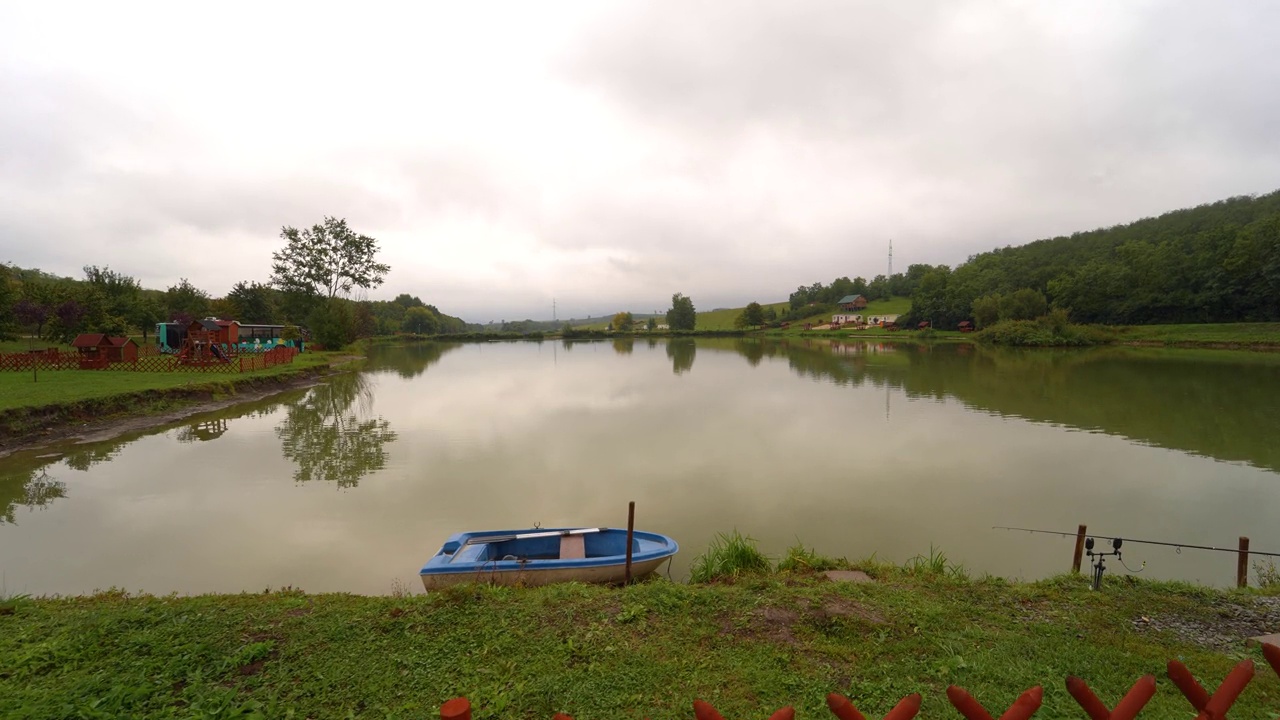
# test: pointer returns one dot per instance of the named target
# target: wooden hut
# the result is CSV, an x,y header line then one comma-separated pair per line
x,y
98,350
852,302
122,350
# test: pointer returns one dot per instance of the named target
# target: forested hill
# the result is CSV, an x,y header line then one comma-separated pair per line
x,y
1213,263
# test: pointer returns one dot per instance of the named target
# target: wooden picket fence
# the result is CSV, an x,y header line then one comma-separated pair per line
x,y
149,359
1206,705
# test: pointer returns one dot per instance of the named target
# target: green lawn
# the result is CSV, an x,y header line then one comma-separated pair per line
x,y
17,389
1203,333
23,345
723,319
649,650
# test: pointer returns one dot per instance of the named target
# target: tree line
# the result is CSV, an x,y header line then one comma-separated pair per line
x,y
880,288
1218,262
317,267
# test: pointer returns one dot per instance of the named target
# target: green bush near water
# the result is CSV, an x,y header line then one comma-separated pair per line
x,y
1052,330
729,555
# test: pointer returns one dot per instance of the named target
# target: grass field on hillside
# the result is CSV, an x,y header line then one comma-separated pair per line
x,y
722,319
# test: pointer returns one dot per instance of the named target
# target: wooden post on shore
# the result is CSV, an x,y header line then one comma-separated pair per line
x,y
1079,554
631,528
1242,563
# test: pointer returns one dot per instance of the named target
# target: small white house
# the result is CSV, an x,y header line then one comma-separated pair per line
x,y
881,319
845,318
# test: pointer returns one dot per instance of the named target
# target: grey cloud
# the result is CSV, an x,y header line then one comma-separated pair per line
x,y
994,124
784,143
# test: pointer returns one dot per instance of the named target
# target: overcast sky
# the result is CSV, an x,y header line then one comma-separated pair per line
x,y
610,154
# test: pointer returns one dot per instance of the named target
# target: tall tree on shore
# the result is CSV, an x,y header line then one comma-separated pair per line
x,y
751,316
682,315
326,260
622,322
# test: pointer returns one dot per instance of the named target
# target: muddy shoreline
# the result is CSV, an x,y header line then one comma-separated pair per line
x,y
109,418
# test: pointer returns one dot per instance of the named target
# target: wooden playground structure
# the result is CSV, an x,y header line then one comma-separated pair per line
x,y
203,348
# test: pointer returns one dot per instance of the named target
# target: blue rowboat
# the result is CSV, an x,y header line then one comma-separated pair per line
x,y
539,556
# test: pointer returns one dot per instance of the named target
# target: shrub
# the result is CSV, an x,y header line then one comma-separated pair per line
x,y
1051,330
935,565
728,556
802,559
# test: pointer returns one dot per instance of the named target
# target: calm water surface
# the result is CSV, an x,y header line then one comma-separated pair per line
x,y
850,448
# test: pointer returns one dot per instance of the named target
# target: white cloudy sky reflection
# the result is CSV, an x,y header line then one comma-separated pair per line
x,y
609,154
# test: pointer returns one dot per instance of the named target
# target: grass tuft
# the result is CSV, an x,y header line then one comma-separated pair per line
x,y
728,556
800,559
935,565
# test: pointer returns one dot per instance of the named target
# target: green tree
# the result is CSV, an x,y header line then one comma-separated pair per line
x,y
8,298
622,322
145,313
1024,304
652,324
751,316
119,293
326,259
366,325
682,315
406,301
185,299
253,303
332,323
771,313
986,310
418,319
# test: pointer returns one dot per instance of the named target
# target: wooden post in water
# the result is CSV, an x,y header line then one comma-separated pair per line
x,y
631,528
1242,563
1079,554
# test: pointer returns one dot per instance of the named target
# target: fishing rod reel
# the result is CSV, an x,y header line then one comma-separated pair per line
x,y
1099,563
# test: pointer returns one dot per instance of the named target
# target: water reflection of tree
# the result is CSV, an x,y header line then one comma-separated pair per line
x,y
86,458
32,488
332,435
1164,398
409,360
681,351
624,346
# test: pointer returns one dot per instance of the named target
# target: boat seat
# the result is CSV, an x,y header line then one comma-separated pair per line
x,y
572,547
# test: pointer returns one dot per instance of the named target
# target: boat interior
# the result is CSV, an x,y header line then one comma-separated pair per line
x,y
563,547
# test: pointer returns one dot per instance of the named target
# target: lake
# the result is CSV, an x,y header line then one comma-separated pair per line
x,y
852,448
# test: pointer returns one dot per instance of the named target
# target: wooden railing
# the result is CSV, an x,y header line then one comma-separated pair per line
x,y
149,360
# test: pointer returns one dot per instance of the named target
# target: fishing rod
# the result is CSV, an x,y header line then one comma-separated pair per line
x,y
1179,546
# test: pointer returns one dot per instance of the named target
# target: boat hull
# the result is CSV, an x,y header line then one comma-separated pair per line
x,y
532,577
542,557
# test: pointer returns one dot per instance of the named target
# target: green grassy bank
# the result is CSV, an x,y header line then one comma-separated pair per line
x,y
56,398
749,647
